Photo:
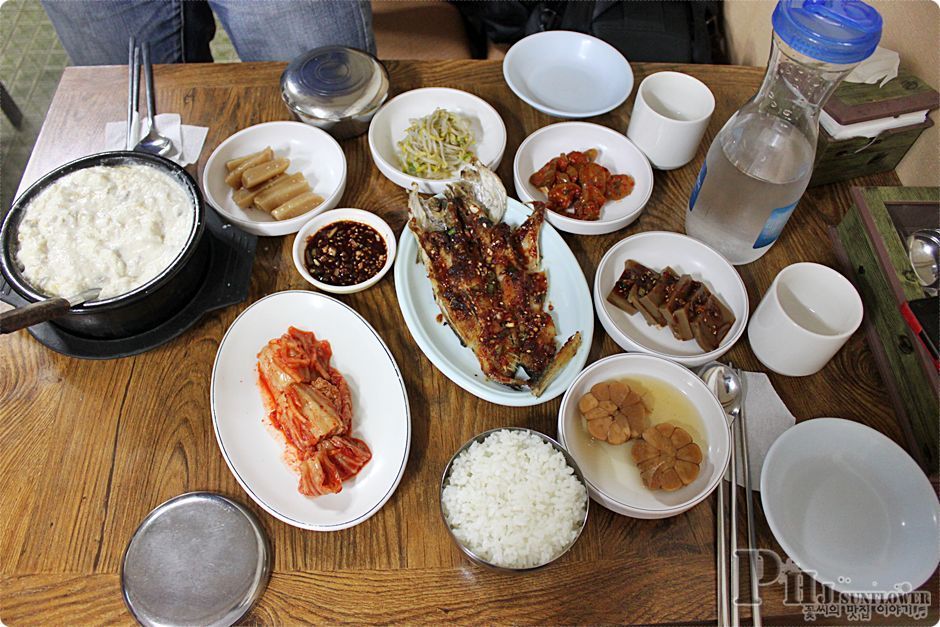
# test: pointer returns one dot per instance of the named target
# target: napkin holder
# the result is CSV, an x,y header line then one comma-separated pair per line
x,y
854,103
870,243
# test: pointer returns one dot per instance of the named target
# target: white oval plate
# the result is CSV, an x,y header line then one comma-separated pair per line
x,y
567,293
656,250
381,415
617,154
851,508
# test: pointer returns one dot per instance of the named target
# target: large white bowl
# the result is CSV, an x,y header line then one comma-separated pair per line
x,y
685,255
617,153
389,125
568,74
851,508
337,215
622,491
310,150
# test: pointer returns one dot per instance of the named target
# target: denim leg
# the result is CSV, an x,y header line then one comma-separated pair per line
x,y
279,30
95,32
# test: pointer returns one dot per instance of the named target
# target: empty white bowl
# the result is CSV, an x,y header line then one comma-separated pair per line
x,y
851,508
568,74
685,255
617,154
393,119
609,472
310,150
337,215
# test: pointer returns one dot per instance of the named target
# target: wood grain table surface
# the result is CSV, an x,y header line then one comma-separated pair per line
x,y
88,448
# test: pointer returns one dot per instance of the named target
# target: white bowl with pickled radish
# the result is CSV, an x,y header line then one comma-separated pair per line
x,y
673,394
312,152
615,152
325,220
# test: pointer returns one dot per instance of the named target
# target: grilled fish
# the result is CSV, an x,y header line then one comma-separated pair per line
x,y
488,281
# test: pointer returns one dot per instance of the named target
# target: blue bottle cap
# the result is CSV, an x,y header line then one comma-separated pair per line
x,y
834,31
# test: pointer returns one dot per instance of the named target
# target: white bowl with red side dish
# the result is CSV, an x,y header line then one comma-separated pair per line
x,y
658,250
343,242
615,152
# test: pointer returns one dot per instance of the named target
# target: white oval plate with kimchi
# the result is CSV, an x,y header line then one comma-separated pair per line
x,y
380,413
568,296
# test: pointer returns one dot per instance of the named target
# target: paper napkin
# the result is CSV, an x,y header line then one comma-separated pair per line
x,y
881,67
187,140
767,418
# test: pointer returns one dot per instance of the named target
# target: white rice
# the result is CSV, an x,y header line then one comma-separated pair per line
x,y
513,500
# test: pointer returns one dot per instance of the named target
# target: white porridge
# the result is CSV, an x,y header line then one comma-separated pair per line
x,y
114,227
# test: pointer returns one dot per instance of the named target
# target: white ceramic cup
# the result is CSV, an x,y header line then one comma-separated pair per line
x,y
805,317
670,115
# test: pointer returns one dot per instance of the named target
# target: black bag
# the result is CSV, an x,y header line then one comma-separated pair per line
x,y
676,31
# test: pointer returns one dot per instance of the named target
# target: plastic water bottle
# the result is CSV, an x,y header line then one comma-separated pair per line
x,y
760,163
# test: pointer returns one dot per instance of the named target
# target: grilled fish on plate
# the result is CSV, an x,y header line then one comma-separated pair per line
x,y
488,280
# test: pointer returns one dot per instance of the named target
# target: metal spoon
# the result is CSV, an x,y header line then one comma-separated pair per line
x,y
154,142
725,384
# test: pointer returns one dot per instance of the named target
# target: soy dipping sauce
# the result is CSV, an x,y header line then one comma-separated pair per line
x,y
345,253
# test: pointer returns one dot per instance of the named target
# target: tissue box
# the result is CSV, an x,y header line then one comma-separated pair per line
x,y
839,160
871,245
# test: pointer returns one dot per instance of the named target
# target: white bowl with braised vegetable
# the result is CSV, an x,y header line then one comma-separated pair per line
x,y
425,136
648,434
271,178
344,250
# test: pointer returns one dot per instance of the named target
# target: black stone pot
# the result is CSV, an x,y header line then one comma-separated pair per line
x,y
140,309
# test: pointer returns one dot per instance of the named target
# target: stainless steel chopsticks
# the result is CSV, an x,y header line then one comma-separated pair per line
x,y
733,532
133,90
749,503
722,556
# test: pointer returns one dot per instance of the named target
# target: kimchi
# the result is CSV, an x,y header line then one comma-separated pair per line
x,y
310,409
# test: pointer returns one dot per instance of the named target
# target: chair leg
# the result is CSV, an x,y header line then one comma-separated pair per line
x,y
9,107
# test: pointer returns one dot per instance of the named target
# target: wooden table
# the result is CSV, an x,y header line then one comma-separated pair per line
x,y
88,448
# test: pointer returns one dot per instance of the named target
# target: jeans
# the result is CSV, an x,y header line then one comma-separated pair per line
x,y
95,32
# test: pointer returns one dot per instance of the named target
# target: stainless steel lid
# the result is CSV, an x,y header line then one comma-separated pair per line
x,y
198,559
334,83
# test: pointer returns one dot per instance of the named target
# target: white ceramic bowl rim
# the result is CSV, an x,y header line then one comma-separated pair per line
x,y
685,372
729,340
575,124
382,161
558,34
353,214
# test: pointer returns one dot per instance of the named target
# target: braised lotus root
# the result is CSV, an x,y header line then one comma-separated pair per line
x,y
667,457
613,412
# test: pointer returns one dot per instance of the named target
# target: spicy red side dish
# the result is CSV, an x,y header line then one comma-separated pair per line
x,y
577,187
310,407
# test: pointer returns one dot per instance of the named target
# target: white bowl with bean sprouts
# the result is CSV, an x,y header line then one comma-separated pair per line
x,y
405,135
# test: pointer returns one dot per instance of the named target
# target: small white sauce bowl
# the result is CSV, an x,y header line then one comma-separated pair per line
x,y
310,150
393,119
338,215
568,74
616,153
627,495
685,255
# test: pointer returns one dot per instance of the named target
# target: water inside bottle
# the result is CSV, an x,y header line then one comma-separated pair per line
x,y
769,170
